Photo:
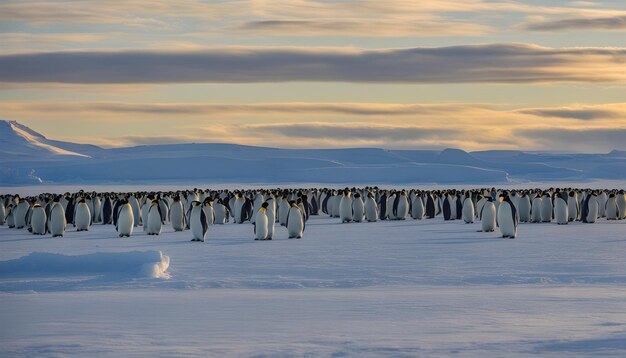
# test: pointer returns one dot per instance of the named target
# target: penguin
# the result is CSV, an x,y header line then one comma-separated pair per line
x,y
198,222
560,208
602,198
207,206
417,207
125,219
371,209
488,215
590,209
3,213
39,220
295,221
145,208
400,206
107,211
82,216
447,208
572,206
220,211
10,221
524,207
620,200
261,223
546,208
134,204
358,208
57,222
154,222
382,212
345,207
20,213
239,209
507,218
468,211
271,216
611,212
177,215
430,207
536,210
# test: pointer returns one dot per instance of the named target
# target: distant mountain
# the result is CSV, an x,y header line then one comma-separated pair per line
x,y
27,157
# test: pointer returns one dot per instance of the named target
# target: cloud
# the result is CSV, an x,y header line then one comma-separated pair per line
x,y
580,140
364,28
613,23
493,63
575,113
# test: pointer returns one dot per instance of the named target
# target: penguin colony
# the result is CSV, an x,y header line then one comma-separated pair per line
x,y
196,210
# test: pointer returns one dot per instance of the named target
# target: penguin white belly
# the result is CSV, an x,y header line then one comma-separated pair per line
x,y
506,222
524,209
261,226
546,210
611,209
82,217
3,214
125,221
271,220
560,211
417,209
371,210
592,210
488,217
177,216
336,205
19,215
345,209
38,221
602,204
295,223
208,211
198,229
144,214
572,209
621,206
134,204
154,221
219,211
358,210
468,211
536,211
57,222
403,208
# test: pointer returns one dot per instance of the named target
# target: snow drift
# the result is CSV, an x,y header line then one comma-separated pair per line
x,y
151,264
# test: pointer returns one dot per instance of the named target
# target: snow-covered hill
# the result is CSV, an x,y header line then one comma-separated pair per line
x,y
29,157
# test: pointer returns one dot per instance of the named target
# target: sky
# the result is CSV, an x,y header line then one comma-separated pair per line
x,y
397,74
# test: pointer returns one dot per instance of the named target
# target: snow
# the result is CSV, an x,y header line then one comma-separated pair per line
x,y
390,288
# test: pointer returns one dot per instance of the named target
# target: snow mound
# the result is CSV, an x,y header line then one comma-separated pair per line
x,y
151,264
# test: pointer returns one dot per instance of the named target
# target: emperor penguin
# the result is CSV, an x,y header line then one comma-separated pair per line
x,y
371,209
431,210
20,214
270,212
479,205
198,222
207,206
590,209
3,213
468,211
283,209
97,209
620,199
488,215
125,219
536,209
82,216
345,207
400,206
261,223
134,204
239,208
611,211
295,221
10,221
391,199
259,199
107,210
154,222
145,208
177,215
524,207
572,206
417,207
57,222
39,220
507,218
560,208
602,198
358,208
449,208
546,208
220,211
